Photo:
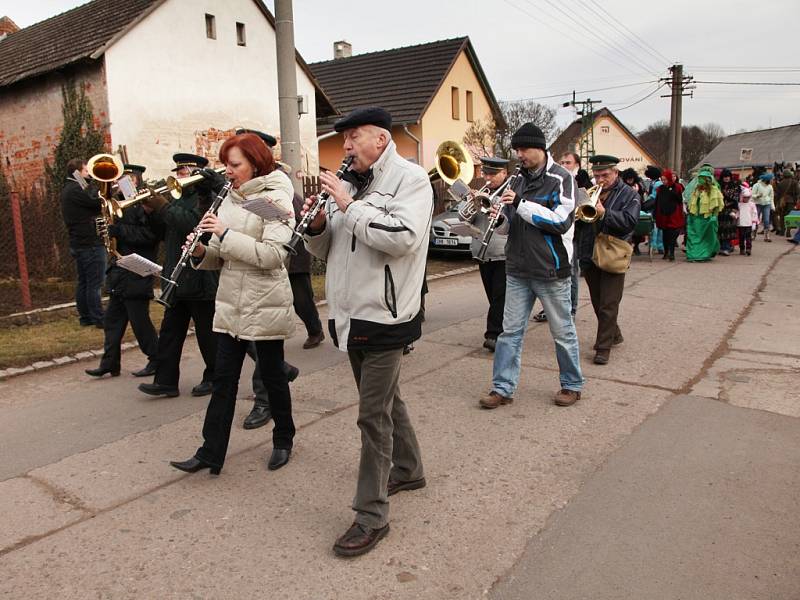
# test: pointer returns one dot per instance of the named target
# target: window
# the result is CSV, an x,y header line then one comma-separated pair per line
x,y
605,129
469,106
454,102
241,39
211,27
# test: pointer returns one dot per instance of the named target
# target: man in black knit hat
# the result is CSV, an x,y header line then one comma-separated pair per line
x,y
538,213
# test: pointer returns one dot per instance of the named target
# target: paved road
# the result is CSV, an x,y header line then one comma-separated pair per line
x,y
674,477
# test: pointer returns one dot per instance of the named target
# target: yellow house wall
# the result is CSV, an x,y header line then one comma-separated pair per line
x,y
618,143
438,123
331,152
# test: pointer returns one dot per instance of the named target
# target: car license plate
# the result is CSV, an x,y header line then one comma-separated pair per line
x,y
445,242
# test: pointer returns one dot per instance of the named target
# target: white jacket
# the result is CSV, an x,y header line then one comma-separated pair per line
x,y
375,253
254,297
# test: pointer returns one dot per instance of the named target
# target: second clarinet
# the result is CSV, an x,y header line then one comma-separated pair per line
x,y
198,237
319,203
494,199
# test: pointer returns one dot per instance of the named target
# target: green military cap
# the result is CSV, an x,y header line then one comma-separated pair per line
x,y
603,161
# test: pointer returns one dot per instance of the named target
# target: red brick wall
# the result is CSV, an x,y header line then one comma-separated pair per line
x,y
31,121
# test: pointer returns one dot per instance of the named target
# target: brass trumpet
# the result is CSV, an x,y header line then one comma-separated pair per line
x,y
176,185
586,210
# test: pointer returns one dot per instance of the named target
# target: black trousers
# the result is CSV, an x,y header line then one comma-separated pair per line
x,y
259,389
493,276
745,239
119,313
221,407
304,302
173,335
605,290
670,240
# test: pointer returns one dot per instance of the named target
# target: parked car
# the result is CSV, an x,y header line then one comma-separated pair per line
x,y
443,239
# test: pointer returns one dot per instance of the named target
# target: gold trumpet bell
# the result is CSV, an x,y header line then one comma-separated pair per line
x,y
453,161
586,211
176,185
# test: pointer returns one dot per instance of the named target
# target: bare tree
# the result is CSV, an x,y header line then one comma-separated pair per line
x,y
697,141
480,137
518,112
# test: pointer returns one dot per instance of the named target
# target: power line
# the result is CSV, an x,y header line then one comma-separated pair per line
x,y
628,38
613,87
658,87
750,82
574,20
568,32
646,44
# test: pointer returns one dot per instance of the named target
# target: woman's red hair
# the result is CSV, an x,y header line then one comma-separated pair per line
x,y
254,149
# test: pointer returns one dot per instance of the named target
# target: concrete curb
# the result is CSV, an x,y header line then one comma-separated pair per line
x,y
93,354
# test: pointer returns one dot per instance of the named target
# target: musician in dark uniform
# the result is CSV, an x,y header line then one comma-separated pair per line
x,y
618,210
194,296
129,293
493,271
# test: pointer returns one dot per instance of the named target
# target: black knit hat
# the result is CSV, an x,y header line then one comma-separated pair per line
x,y
652,172
528,136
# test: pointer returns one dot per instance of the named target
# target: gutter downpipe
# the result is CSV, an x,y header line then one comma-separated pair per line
x,y
419,143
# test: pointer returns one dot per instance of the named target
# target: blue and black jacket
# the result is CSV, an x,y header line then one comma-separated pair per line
x,y
540,223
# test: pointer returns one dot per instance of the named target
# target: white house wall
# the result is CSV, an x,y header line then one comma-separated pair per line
x,y
172,89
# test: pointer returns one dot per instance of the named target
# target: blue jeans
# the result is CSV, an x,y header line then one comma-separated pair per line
x,y
573,288
764,213
555,298
91,265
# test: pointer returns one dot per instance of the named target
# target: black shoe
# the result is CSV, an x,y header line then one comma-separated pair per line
x,y
194,464
398,486
203,388
292,373
280,456
490,344
313,341
100,371
407,349
156,389
359,539
148,370
540,317
258,417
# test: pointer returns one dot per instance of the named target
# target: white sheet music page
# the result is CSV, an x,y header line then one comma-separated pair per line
x,y
139,265
267,209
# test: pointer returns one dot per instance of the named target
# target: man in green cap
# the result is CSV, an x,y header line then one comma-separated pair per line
x,y
618,212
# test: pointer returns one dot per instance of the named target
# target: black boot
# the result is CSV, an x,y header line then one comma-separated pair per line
x,y
100,371
148,371
258,417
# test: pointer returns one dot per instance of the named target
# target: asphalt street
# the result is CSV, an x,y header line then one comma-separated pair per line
x,y
674,477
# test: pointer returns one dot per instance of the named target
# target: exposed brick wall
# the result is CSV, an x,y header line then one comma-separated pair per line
x,y
31,121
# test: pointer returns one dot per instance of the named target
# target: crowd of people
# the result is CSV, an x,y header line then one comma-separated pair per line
x,y
242,287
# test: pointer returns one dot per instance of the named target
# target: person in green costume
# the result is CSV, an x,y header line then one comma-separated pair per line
x,y
703,205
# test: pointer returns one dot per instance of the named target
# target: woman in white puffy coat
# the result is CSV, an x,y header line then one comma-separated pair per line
x,y
254,298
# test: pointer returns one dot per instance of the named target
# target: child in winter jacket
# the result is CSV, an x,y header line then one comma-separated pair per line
x,y
748,217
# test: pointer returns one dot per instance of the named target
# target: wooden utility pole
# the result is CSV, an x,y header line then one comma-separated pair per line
x,y
679,85
291,151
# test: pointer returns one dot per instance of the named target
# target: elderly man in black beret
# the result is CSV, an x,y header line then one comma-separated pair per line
x,y
373,234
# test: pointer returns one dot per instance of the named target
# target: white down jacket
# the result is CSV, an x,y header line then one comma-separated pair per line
x,y
254,298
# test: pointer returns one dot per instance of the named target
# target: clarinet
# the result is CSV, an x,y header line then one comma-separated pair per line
x,y
198,237
495,199
312,213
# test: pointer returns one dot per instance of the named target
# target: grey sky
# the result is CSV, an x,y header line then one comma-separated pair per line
x,y
533,48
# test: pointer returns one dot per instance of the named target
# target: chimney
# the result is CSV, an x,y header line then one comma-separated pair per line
x,y
342,49
7,26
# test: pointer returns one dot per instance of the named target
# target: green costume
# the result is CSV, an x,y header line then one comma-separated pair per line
x,y
704,203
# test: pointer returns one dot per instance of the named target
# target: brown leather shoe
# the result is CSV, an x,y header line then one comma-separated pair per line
x,y
601,357
566,398
359,539
399,486
313,341
493,400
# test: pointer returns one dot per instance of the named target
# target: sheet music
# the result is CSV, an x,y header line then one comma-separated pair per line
x,y
267,209
139,265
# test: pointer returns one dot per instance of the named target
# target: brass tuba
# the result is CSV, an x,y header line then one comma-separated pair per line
x,y
453,161
586,211
106,169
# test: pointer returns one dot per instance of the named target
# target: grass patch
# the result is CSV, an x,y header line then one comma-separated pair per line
x,y
24,345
